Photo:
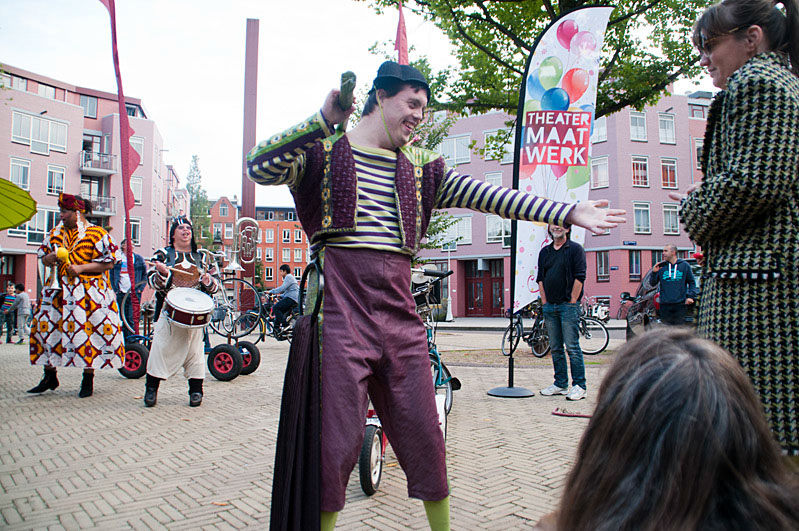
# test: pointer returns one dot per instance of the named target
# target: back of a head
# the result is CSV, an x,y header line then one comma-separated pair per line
x,y
678,440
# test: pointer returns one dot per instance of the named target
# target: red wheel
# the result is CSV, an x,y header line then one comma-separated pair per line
x,y
250,355
136,356
224,362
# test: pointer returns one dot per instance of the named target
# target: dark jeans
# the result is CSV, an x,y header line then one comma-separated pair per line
x,y
562,325
673,314
282,307
10,320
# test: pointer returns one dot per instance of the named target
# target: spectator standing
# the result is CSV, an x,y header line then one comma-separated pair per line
x,y
22,307
561,274
677,286
7,315
120,282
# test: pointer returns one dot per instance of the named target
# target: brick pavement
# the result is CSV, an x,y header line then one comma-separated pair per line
x,y
108,462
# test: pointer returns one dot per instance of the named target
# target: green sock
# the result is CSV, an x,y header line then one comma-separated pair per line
x,y
329,520
438,514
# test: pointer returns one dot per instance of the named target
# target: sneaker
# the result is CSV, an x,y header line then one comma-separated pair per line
x,y
576,393
21,342
555,390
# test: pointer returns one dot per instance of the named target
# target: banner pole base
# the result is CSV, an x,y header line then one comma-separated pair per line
x,y
511,392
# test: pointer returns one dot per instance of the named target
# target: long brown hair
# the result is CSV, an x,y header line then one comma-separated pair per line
x,y
735,16
678,441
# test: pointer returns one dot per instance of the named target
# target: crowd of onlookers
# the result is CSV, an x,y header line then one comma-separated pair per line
x,y
15,311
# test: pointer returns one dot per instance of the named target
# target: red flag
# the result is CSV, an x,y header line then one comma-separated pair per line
x,y
401,43
129,156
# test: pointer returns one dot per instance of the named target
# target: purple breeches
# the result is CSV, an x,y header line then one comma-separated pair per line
x,y
373,341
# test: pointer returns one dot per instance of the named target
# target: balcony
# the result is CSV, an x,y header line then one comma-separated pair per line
x,y
97,164
103,206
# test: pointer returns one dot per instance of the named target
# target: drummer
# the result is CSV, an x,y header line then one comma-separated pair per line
x,y
173,347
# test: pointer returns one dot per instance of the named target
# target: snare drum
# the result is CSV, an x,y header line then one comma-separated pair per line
x,y
188,308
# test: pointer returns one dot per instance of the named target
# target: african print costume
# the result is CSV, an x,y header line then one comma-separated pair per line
x,y
78,325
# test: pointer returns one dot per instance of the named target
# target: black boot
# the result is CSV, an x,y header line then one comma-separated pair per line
x,y
195,391
86,385
49,381
151,390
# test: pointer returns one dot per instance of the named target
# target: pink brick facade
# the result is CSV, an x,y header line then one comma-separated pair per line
x,y
662,140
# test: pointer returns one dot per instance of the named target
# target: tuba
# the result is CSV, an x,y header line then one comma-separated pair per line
x,y
245,243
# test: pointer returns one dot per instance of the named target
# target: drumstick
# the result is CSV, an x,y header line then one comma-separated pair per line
x,y
174,269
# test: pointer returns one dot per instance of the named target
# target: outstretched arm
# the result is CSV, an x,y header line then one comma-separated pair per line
x,y
595,216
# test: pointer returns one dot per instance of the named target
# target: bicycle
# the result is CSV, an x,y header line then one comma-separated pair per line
x,y
594,336
265,320
625,302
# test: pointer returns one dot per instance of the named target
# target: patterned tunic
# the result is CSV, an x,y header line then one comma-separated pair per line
x,y
745,216
78,325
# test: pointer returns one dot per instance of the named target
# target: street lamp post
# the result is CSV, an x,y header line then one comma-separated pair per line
x,y
449,247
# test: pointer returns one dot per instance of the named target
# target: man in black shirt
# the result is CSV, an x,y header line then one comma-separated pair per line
x,y
561,274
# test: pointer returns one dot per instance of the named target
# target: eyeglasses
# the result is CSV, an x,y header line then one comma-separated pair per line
x,y
706,43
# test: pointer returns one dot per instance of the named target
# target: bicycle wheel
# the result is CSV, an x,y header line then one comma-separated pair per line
x,y
236,297
623,310
442,379
594,337
370,462
539,339
516,328
249,320
146,308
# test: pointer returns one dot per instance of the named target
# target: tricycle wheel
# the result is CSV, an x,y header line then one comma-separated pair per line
x,y
370,464
224,362
136,356
250,356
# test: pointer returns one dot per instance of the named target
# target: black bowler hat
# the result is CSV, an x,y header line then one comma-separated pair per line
x,y
397,72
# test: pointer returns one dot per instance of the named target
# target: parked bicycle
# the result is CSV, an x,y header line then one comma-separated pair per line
x,y
594,336
264,320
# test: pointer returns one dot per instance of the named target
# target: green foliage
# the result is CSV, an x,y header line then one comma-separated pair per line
x,y
647,47
199,204
258,280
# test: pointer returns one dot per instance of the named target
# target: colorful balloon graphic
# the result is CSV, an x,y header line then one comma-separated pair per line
x,y
549,72
577,176
534,88
555,99
583,43
590,108
567,30
575,82
559,170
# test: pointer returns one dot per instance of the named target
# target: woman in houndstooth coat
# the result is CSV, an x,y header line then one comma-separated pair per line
x,y
745,213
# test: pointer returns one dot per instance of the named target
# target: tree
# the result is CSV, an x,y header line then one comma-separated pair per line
x,y
647,47
199,204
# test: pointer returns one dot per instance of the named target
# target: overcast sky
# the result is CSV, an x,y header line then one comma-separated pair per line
x,y
185,58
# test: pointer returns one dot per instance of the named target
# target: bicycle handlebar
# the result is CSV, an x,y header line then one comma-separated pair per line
x,y
432,272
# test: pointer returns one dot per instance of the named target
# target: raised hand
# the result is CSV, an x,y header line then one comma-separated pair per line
x,y
594,216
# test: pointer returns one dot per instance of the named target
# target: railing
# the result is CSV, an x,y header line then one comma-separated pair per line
x,y
98,161
104,206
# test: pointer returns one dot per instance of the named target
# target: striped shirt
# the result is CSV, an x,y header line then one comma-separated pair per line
x,y
7,302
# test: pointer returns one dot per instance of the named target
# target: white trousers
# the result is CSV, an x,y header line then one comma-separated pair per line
x,y
174,347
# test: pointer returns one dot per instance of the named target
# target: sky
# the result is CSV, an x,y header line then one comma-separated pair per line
x,y
185,60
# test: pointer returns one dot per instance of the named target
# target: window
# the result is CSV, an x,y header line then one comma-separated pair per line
x,y
668,173
270,215
136,186
40,136
58,137
55,179
498,230
131,110
35,229
21,128
218,229
600,177
269,235
260,237
697,111
89,104
297,272
19,83
269,254
286,255
46,91
507,148
137,143
667,131
258,254
671,220
461,228
286,236
268,273
223,210
20,173
455,150
298,255
494,178
135,231
603,266
297,236
635,265
640,171
600,130
657,256
641,214
5,80
700,144
228,231
638,126
289,216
